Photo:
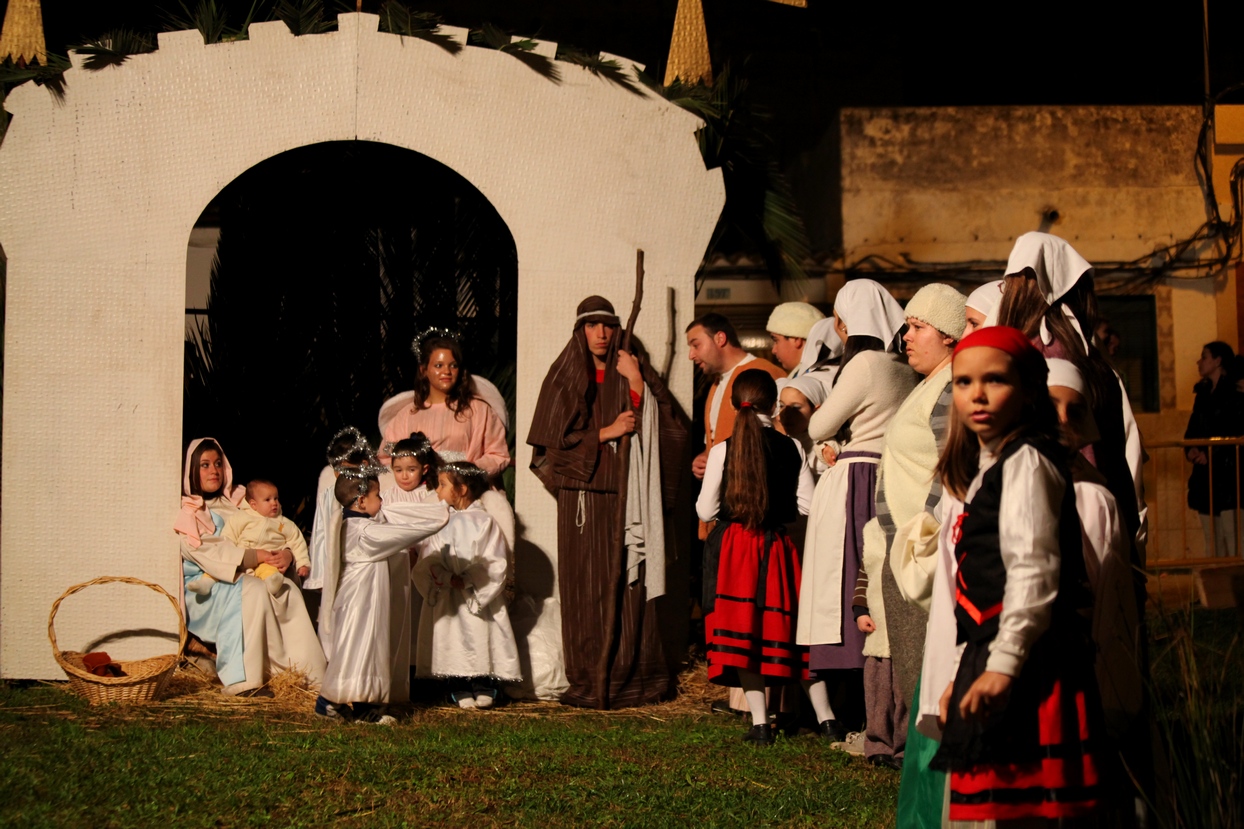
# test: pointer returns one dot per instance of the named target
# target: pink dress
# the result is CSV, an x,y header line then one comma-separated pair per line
x,y
478,432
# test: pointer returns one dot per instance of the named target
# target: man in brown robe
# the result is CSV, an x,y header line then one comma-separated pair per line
x,y
589,400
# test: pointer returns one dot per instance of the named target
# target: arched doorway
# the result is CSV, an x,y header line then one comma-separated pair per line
x,y
329,258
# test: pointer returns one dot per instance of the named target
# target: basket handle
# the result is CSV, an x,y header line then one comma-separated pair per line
x,y
181,620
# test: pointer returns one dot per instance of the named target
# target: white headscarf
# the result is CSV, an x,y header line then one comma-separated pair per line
x,y
1065,373
814,385
822,333
986,298
867,309
1058,268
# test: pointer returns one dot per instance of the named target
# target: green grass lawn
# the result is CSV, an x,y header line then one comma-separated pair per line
x,y
63,763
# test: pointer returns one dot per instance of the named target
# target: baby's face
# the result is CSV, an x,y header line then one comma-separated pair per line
x,y
263,499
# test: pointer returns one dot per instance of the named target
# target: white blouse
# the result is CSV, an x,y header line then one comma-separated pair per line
x,y
1028,515
709,503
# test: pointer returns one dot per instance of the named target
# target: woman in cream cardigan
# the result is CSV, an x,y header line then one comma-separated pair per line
x,y
903,537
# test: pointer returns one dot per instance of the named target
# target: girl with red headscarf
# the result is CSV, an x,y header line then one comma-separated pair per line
x,y
1021,711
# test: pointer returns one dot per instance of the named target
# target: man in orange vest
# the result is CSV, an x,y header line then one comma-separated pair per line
x,y
714,347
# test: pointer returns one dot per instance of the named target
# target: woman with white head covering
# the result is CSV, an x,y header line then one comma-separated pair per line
x,y
871,383
823,350
1048,294
982,303
799,398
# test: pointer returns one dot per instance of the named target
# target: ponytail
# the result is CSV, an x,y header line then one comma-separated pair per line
x,y
747,491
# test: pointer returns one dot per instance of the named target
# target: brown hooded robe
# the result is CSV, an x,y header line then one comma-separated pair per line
x,y
586,478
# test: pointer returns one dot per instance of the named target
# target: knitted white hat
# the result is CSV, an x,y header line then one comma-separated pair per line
x,y
793,319
940,306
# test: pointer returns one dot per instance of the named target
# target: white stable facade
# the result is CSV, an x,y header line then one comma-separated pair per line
x,y
98,196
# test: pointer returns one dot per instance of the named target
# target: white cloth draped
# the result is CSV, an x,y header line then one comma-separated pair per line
x,y
465,632
645,521
371,615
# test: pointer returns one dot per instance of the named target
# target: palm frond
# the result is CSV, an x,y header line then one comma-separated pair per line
x,y
760,212
304,17
491,36
607,68
211,19
50,74
114,47
399,19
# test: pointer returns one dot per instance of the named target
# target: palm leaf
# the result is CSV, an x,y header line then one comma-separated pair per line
x,y
492,36
114,47
304,17
211,19
50,74
399,19
606,68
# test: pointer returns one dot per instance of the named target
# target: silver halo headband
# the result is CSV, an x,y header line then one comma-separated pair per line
x,y
425,445
362,475
360,444
456,462
416,345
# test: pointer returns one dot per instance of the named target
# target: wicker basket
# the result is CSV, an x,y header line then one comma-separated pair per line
x,y
144,679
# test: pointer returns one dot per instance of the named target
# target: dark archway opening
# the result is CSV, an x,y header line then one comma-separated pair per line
x,y
329,258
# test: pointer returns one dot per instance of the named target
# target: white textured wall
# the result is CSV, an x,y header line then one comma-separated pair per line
x,y
98,195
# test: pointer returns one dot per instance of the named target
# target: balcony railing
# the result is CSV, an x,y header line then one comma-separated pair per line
x,y
1177,535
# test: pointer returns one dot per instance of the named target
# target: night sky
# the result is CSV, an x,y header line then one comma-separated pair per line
x,y
806,62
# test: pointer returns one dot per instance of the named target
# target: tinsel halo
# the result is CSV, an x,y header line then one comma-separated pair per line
x,y
424,446
457,462
360,443
416,345
370,470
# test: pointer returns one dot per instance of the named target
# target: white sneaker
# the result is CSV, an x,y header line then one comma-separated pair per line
x,y
483,701
467,702
853,744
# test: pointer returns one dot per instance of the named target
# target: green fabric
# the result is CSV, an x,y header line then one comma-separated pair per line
x,y
921,789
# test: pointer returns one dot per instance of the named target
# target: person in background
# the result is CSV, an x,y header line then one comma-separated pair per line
x,y
788,327
981,304
1217,412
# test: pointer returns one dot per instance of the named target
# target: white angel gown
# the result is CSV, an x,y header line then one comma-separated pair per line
x,y
371,609
465,633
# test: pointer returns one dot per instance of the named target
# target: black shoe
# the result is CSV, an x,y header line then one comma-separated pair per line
x,y
833,731
761,735
721,706
887,761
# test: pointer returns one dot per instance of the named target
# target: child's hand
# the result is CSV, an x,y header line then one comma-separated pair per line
x,y
988,693
304,571
865,624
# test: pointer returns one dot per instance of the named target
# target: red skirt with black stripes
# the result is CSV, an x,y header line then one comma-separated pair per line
x,y
752,624
1036,757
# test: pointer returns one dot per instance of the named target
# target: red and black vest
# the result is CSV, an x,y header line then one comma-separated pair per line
x,y
981,580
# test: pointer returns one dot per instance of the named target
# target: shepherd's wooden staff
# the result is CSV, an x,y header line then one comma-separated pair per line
x,y
617,562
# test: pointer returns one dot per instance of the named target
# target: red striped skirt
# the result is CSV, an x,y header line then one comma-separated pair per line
x,y
752,624
1035,758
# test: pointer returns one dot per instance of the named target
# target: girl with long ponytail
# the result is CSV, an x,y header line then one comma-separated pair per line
x,y
755,483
